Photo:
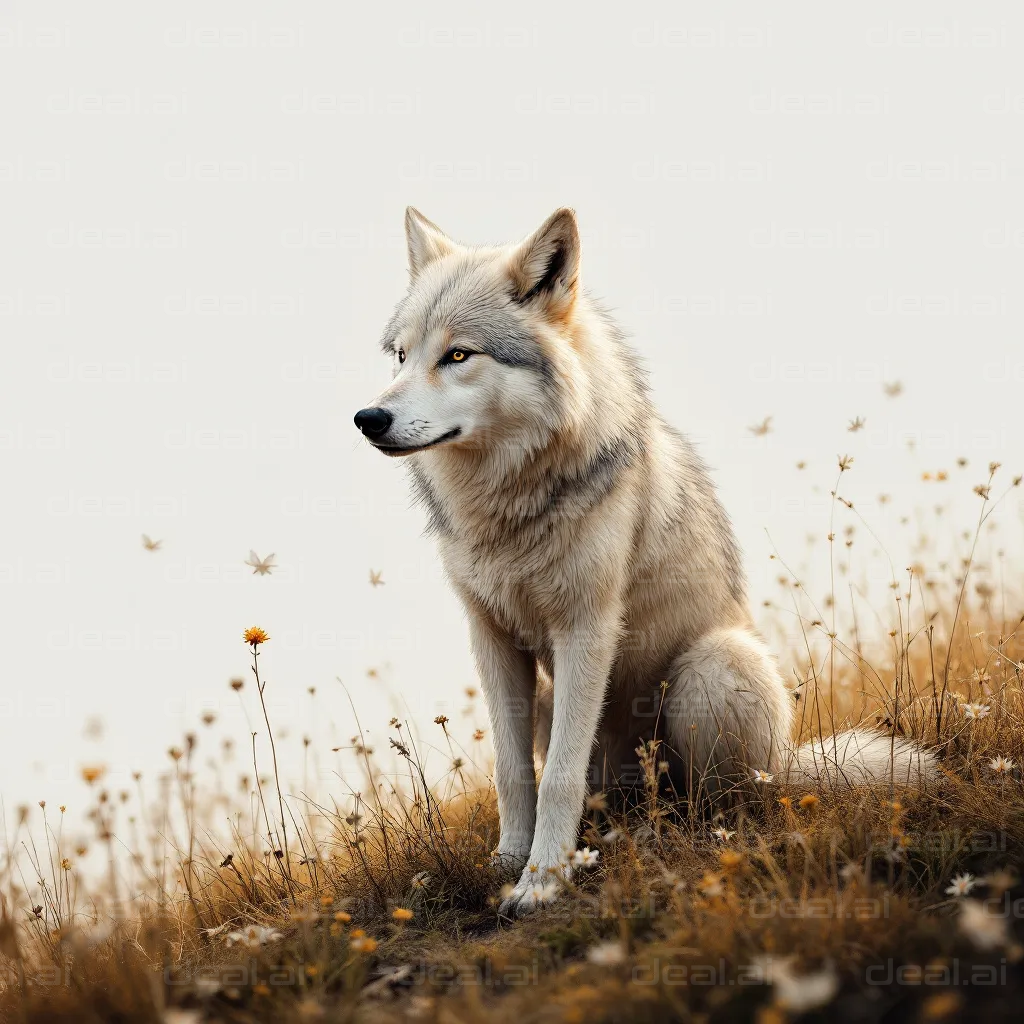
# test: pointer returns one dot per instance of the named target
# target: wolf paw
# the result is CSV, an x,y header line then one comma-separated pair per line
x,y
508,863
535,888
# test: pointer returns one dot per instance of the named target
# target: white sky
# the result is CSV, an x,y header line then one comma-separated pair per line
x,y
202,213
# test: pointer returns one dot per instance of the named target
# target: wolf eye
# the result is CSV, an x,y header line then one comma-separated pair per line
x,y
456,355
401,355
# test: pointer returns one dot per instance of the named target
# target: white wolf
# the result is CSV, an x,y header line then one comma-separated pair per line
x,y
584,537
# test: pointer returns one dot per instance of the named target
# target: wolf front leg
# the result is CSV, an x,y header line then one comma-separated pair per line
x,y
509,679
582,663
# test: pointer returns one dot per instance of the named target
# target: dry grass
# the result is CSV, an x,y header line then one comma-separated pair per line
x,y
383,907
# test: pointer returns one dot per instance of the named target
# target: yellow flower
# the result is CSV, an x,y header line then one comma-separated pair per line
x,y
259,989
402,914
731,860
808,802
363,944
326,901
255,635
92,772
786,802
343,917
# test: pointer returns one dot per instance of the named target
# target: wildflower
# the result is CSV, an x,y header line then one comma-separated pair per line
x,y
420,880
441,720
310,858
606,954
263,566
975,711
208,717
215,931
762,777
326,901
255,635
92,773
585,858
845,462
342,917
723,835
785,801
1000,765
545,893
613,835
362,943
799,993
402,914
710,885
236,684
259,989
254,936
478,735
984,929
730,860
597,802
65,864
808,802
961,885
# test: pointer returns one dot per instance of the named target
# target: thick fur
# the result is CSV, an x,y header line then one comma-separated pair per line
x,y
585,539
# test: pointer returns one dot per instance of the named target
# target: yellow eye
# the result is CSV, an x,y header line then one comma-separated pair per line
x,y
458,355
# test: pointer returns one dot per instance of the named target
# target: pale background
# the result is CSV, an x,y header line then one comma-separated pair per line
x,y
787,207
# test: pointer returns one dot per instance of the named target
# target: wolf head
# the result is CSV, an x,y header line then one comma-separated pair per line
x,y
482,343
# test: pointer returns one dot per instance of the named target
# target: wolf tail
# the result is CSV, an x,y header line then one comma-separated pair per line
x,y
861,757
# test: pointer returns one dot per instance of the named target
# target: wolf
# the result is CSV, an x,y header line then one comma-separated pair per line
x,y
602,582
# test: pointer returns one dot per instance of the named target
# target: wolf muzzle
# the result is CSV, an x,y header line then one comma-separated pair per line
x,y
373,423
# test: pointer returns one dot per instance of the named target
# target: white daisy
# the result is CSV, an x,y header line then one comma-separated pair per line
x,y
606,954
546,893
254,936
723,834
585,858
1000,764
762,777
975,711
961,885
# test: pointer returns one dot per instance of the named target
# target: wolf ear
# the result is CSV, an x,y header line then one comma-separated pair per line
x,y
546,267
427,242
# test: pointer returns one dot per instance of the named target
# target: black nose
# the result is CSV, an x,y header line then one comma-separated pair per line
x,y
373,422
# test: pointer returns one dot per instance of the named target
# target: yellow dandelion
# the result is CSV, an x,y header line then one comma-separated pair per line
x,y
808,802
255,635
785,802
402,914
343,917
92,773
363,944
